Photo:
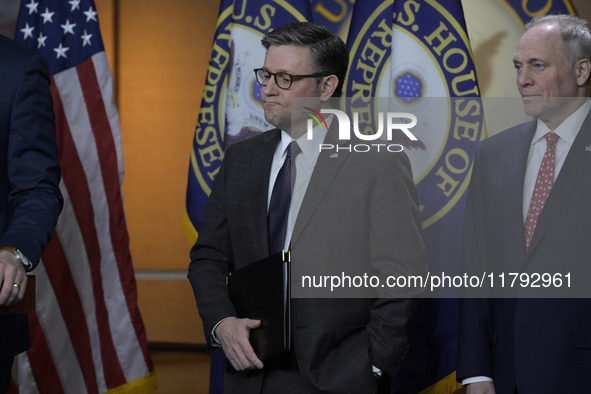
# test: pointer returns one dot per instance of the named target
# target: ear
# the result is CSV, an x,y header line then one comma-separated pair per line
x,y
582,68
327,86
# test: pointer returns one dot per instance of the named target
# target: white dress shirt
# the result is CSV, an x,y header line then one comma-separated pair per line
x,y
566,131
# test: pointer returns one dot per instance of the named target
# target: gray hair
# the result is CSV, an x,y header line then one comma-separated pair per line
x,y
575,33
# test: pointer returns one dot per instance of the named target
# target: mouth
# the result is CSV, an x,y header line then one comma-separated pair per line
x,y
530,97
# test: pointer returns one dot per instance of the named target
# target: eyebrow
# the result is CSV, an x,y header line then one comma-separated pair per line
x,y
529,61
279,71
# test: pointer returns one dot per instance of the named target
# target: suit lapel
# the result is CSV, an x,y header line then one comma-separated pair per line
x,y
323,175
516,152
261,160
575,165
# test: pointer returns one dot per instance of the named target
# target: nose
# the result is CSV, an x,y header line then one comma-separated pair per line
x,y
270,89
524,77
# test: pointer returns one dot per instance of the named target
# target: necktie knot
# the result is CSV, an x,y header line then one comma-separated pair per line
x,y
293,150
551,140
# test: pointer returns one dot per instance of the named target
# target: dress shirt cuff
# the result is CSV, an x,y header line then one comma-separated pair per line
x,y
475,379
215,342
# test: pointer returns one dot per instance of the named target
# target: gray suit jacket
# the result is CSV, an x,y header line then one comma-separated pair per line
x,y
335,341
535,345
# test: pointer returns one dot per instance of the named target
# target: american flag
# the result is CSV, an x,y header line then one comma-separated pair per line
x,y
87,335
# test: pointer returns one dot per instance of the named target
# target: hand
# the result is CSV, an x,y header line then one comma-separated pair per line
x,y
481,388
11,272
233,336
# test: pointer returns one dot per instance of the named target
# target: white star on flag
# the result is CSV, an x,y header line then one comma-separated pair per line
x,y
61,51
68,27
90,15
41,40
28,31
47,16
86,38
32,6
75,4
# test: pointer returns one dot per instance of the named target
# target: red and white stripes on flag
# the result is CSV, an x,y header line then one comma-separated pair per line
x,y
87,335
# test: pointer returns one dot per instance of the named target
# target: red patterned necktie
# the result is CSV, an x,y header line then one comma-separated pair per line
x,y
544,183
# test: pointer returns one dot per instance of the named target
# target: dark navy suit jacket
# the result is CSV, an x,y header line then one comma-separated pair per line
x,y
537,345
30,200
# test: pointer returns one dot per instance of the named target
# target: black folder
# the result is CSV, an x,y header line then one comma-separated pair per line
x,y
262,291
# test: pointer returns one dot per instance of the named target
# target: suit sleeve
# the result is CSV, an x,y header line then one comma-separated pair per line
x,y
474,340
211,258
396,248
32,163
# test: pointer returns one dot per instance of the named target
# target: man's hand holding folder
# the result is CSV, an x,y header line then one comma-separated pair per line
x,y
233,334
261,294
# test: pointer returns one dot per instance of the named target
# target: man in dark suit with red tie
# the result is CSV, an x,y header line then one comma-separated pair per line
x,y
528,212
30,199
338,345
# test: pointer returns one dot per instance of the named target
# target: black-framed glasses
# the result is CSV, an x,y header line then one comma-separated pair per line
x,y
282,80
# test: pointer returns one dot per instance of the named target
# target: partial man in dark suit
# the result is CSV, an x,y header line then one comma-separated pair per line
x,y
528,212
30,199
363,207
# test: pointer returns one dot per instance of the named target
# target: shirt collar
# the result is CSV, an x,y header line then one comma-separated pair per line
x,y
310,147
568,129
285,141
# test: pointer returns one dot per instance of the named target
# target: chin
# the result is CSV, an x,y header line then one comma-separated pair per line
x,y
534,106
274,122
533,112
270,118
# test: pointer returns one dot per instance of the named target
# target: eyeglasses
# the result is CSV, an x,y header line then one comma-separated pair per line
x,y
282,80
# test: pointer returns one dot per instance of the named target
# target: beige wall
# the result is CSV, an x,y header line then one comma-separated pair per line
x,y
159,52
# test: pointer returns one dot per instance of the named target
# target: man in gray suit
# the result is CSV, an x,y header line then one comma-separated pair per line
x,y
338,345
528,212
